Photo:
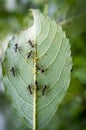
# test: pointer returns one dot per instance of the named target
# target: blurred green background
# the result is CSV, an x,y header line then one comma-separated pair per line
x,y
71,14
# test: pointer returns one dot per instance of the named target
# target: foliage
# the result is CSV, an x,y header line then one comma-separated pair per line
x,y
47,48
73,107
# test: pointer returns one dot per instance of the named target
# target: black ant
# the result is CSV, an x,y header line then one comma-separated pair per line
x,y
43,90
29,87
41,69
36,84
71,69
13,71
31,44
29,54
16,47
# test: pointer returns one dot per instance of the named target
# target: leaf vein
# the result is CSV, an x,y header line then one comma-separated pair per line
x,y
54,85
49,45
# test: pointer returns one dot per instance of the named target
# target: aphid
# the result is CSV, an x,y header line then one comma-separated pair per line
x,y
13,71
29,88
16,47
31,44
43,90
29,54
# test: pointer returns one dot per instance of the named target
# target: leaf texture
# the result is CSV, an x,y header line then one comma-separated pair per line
x,y
36,70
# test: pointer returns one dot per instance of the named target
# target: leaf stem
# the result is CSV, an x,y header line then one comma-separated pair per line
x,y
45,2
35,89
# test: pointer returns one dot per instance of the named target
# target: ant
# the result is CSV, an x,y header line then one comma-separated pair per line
x,y
71,69
43,90
13,71
36,84
29,87
29,54
16,47
31,44
41,69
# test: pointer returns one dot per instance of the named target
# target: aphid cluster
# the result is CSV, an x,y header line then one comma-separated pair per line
x,y
12,70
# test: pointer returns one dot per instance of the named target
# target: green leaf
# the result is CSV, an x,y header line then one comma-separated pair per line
x,y
42,61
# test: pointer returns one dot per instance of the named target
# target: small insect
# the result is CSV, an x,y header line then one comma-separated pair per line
x,y
16,47
29,88
13,71
36,83
71,69
31,44
29,54
41,69
43,90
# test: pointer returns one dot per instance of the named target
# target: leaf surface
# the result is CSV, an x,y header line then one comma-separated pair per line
x,y
36,70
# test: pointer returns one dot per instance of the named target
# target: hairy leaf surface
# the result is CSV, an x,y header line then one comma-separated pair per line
x,y
36,70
